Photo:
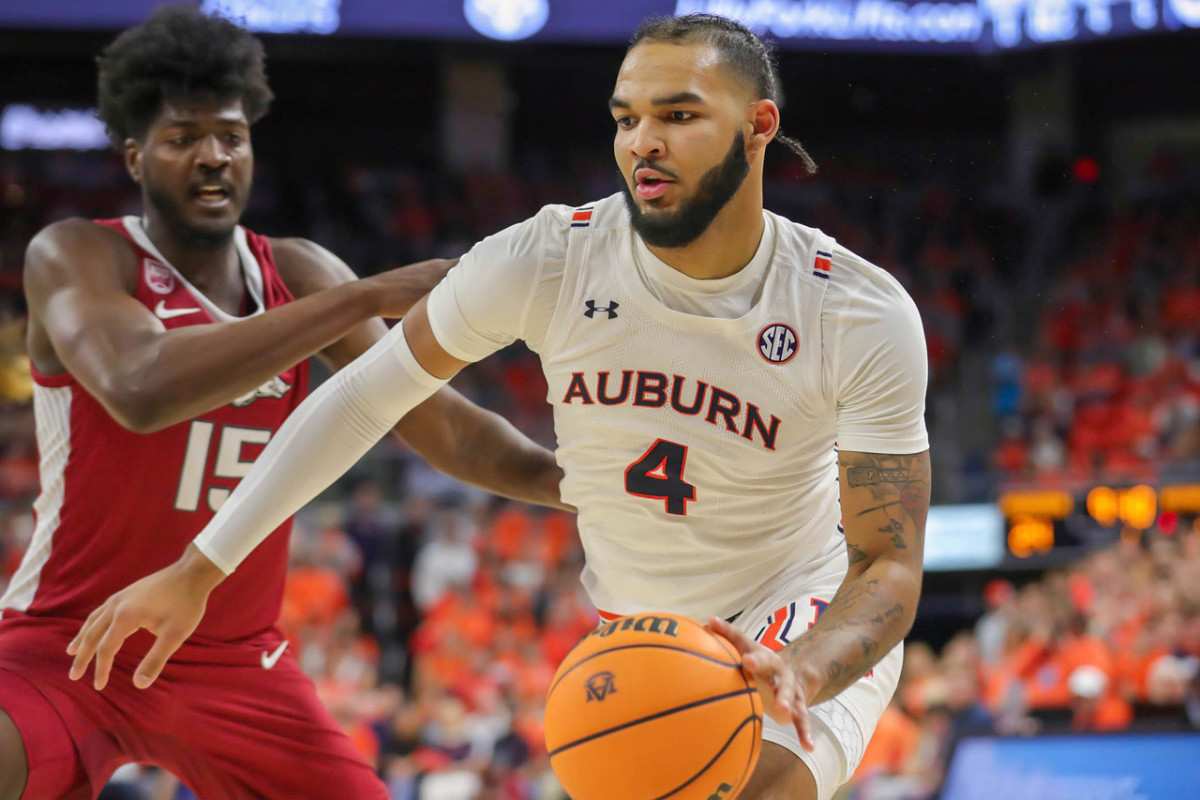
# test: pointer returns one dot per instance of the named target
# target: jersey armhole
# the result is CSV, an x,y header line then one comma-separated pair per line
x,y
550,341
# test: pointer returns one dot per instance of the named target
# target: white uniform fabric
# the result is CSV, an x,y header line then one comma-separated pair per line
x,y
739,387
699,449
639,387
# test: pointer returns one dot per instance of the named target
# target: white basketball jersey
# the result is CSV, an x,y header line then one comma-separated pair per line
x,y
699,451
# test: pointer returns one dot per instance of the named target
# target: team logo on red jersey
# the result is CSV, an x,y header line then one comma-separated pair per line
x,y
158,276
275,388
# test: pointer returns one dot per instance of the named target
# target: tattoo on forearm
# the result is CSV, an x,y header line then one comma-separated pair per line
x,y
893,481
880,507
875,475
896,528
861,623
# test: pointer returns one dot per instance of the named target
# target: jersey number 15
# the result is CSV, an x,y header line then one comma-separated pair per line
x,y
228,463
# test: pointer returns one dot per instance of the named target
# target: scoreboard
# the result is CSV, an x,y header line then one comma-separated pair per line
x,y
1046,526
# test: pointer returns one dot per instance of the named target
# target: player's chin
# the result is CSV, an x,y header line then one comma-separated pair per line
x,y
213,220
658,208
212,230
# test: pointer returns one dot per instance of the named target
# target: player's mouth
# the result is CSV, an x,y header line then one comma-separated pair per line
x,y
212,195
651,183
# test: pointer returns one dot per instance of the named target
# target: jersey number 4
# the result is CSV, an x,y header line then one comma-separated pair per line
x,y
228,463
658,474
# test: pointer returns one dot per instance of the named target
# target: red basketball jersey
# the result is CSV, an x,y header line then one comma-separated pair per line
x,y
115,505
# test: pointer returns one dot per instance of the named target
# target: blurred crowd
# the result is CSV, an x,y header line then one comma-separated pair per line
x,y
433,630
432,617
1108,644
1109,386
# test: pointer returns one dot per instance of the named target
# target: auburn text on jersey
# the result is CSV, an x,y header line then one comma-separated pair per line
x,y
656,390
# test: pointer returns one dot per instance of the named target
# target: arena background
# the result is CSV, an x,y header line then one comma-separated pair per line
x,y
1029,170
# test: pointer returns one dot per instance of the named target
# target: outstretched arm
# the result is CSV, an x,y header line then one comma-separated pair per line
x,y
322,439
452,434
79,278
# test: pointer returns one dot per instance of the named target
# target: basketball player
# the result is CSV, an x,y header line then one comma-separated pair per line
x,y
168,349
706,360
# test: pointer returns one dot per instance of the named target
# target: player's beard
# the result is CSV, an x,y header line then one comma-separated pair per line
x,y
192,236
685,225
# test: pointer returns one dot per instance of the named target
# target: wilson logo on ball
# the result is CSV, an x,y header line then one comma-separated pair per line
x,y
777,343
600,686
647,623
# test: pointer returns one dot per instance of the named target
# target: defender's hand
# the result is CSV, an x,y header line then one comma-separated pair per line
x,y
782,693
397,290
169,603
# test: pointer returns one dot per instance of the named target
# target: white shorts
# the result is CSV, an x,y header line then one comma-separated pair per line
x,y
779,614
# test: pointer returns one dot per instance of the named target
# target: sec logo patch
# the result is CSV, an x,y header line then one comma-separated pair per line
x,y
777,343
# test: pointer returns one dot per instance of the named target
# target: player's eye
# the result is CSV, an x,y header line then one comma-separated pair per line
x,y
624,123
233,139
182,141
681,116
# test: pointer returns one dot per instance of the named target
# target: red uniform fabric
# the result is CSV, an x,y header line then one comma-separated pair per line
x,y
217,718
129,509
114,507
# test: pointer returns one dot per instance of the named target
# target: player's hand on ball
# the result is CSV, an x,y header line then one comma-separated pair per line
x,y
169,603
782,693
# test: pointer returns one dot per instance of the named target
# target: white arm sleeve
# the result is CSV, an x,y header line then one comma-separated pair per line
x,y
322,439
880,367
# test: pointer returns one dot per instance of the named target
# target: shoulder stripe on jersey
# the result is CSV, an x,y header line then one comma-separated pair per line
x,y
823,265
52,412
582,217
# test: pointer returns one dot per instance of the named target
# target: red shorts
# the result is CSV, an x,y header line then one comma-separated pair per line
x,y
218,717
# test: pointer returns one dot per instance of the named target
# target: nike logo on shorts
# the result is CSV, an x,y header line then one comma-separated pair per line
x,y
271,659
162,312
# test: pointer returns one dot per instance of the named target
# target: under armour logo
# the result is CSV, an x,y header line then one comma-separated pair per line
x,y
610,309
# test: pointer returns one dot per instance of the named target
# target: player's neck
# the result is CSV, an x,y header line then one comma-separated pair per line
x,y
203,266
726,247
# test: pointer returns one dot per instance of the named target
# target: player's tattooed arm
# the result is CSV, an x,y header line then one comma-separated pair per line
x,y
885,502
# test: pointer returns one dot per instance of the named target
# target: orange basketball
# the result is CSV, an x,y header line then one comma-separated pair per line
x,y
653,707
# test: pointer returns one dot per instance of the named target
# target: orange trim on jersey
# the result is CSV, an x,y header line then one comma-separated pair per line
x,y
770,638
51,381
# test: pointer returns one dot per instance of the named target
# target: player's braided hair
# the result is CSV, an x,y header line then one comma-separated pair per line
x,y
178,52
751,58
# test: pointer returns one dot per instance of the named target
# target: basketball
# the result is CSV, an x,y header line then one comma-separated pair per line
x,y
653,707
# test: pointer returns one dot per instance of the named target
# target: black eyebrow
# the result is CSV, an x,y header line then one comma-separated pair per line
x,y
677,98
669,100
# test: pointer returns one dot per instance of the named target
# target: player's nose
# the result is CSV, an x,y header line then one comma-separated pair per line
x,y
647,142
212,153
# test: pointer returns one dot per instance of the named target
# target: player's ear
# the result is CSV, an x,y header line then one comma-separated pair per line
x,y
762,122
133,159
